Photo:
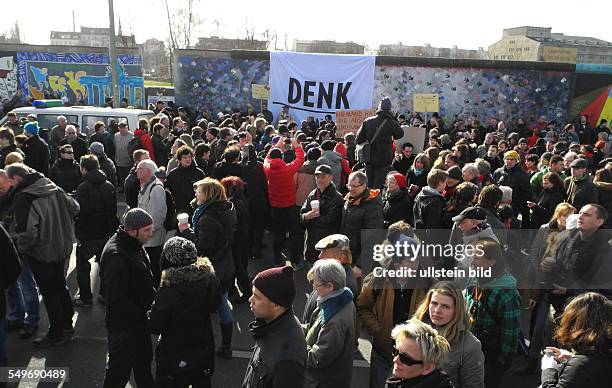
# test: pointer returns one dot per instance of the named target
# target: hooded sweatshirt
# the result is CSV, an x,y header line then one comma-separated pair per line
x,y
333,160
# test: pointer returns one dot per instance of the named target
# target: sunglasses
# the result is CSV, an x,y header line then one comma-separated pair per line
x,y
405,359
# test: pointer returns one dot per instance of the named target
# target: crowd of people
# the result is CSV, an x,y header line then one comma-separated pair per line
x,y
201,193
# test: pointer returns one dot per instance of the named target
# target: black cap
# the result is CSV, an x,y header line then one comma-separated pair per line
x,y
323,169
579,163
472,213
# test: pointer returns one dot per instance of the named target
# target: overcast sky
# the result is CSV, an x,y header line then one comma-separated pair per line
x,y
442,23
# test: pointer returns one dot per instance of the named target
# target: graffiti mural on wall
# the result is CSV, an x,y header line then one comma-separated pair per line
x,y
592,93
218,84
84,78
8,75
484,93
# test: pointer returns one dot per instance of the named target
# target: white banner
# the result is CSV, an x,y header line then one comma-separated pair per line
x,y
319,84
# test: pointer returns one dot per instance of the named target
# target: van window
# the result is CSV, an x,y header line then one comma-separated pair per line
x,y
49,121
147,116
89,121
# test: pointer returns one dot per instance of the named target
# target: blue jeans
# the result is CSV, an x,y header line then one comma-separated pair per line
x,y
22,297
224,310
380,370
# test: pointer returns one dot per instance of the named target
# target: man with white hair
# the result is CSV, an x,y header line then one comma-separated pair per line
x,y
152,199
79,146
470,174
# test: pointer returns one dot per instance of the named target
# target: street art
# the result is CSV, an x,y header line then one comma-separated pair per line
x,y
8,76
218,84
81,78
482,93
592,93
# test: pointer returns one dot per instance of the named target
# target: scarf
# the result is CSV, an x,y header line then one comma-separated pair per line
x,y
331,304
195,219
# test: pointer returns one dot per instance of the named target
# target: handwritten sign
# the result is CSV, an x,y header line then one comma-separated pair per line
x,y
349,120
260,92
426,102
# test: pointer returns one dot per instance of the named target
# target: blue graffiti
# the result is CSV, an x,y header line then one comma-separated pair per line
x,y
93,82
40,76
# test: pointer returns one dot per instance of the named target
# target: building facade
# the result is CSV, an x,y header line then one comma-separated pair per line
x,y
327,47
541,44
216,43
92,37
154,58
427,51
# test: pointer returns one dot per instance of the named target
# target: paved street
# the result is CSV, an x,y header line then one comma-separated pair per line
x,y
86,354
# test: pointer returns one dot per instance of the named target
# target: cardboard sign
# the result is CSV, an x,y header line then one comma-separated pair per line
x,y
413,135
350,120
425,103
260,92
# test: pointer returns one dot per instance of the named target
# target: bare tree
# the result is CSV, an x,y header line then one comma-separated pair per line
x,y
182,24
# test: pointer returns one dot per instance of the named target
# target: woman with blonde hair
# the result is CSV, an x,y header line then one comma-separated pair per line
x,y
585,327
212,231
417,353
444,309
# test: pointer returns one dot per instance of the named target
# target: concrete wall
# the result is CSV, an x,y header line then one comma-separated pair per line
x,y
220,80
81,74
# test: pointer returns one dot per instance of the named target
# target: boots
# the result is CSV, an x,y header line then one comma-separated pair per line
x,y
225,351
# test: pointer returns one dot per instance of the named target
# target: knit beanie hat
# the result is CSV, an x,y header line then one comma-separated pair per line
x,y
96,148
31,128
512,154
277,285
136,218
455,173
276,154
385,104
179,252
400,179
328,145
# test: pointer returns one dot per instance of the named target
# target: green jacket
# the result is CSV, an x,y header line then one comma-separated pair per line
x,y
538,177
504,302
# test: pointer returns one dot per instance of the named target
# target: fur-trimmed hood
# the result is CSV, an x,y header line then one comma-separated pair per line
x,y
202,269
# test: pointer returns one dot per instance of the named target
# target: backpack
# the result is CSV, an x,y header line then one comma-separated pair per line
x,y
170,220
135,144
363,150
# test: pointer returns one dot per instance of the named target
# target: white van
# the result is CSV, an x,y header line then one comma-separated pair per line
x,y
85,116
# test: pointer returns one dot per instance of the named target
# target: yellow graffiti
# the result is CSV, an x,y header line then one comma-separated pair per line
x,y
79,90
57,84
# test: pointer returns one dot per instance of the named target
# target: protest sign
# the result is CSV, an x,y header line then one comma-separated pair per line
x,y
413,135
260,92
425,102
350,120
319,84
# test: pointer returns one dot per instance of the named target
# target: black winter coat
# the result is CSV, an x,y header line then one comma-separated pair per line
x,y
109,169
223,169
214,238
131,188
279,355
66,174
413,179
543,211
604,192
518,180
106,139
330,210
381,152
9,266
364,212
128,283
181,314
436,379
79,147
37,154
429,214
581,371
97,218
581,192
5,151
257,186
160,149
180,183
397,207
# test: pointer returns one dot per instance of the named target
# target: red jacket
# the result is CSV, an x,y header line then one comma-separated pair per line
x,y
346,169
146,142
281,184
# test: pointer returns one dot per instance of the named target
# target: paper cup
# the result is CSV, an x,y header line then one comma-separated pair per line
x,y
183,218
314,205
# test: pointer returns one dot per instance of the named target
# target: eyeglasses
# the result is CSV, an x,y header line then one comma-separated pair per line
x,y
67,152
354,186
315,285
406,359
